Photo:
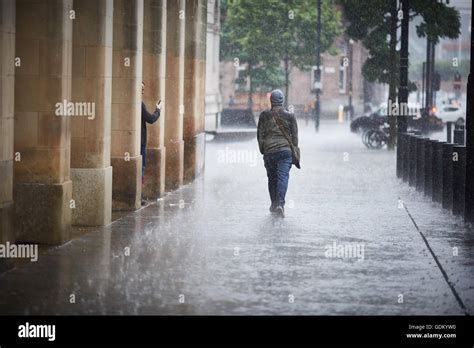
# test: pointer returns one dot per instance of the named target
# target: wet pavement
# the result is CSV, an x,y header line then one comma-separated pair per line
x,y
346,246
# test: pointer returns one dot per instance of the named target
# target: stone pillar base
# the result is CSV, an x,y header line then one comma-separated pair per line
x,y
174,165
194,152
43,212
154,186
126,183
92,193
6,223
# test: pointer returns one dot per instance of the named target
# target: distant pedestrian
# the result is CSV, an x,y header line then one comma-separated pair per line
x,y
231,101
277,135
147,118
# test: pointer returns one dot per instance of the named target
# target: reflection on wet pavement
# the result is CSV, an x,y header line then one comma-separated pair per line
x,y
213,248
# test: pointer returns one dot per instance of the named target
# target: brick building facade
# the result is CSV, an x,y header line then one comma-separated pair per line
x,y
336,71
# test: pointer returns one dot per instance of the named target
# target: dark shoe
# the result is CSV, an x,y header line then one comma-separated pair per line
x,y
144,202
272,209
280,211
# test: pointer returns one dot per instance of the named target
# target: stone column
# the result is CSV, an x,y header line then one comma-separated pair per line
x,y
213,96
7,85
194,88
174,105
42,188
154,69
126,104
91,172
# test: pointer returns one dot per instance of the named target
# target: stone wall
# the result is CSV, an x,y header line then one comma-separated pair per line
x,y
7,85
70,102
213,94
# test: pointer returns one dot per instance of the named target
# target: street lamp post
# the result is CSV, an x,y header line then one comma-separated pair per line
x,y
403,90
469,193
423,84
317,80
429,74
351,46
402,122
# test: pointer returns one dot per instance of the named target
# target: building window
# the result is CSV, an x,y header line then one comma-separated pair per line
x,y
342,76
317,79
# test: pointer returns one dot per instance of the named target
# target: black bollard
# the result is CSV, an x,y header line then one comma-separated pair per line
x,y
429,148
459,179
437,169
405,158
400,149
412,161
447,199
459,135
449,131
420,164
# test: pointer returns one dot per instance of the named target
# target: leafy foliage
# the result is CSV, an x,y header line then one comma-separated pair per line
x,y
371,25
264,33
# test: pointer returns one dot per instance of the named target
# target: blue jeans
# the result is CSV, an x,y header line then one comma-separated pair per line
x,y
278,165
143,153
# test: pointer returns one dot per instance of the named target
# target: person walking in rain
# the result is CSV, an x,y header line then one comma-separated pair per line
x,y
277,135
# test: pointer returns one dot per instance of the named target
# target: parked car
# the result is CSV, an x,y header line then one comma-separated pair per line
x,y
452,113
369,121
426,121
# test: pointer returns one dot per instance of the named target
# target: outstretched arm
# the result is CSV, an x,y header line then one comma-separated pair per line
x,y
148,117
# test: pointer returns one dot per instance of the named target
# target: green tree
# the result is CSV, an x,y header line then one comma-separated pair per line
x,y
245,40
272,36
375,24
372,26
297,30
